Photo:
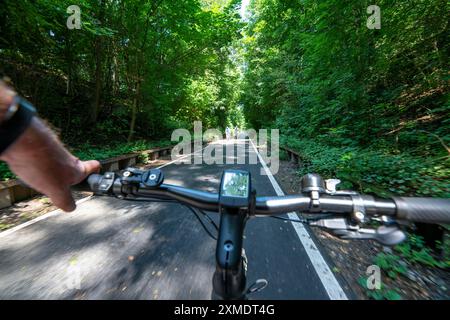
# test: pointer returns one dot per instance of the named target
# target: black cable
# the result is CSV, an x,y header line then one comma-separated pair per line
x,y
305,221
209,219
155,199
201,222
289,219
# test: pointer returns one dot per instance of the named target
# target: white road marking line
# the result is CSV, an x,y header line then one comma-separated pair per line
x,y
58,211
327,277
45,216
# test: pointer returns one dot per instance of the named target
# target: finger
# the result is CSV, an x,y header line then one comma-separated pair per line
x,y
90,167
64,200
84,169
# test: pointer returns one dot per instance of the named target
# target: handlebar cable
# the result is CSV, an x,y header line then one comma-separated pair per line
x,y
148,200
201,222
209,219
306,220
193,210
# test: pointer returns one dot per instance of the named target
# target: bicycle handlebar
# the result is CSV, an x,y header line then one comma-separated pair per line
x,y
427,210
350,212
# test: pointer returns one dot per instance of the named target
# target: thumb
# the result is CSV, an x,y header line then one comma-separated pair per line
x,y
84,169
90,167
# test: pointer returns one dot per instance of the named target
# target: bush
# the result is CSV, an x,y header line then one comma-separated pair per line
x,y
87,152
375,171
415,251
5,174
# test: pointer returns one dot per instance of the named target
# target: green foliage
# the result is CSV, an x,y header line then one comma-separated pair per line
x,y
5,226
88,152
373,171
135,70
381,294
415,251
283,155
5,174
390,264
143,158
367,106
412,251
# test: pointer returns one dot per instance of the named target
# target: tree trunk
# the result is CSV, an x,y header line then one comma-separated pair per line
x,y
134,111
98,82
98,68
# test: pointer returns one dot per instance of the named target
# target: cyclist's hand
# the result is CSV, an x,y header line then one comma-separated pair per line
x,y
42,162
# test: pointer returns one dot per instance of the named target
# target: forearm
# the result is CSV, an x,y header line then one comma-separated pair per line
x,y
35,141
38,141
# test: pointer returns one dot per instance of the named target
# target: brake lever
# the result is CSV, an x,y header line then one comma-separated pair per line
x,y
333,224
386,235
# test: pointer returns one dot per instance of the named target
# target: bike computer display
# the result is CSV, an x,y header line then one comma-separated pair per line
x,y
235,189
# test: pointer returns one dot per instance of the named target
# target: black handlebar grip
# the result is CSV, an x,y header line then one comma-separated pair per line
x,y
90,184
426,210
